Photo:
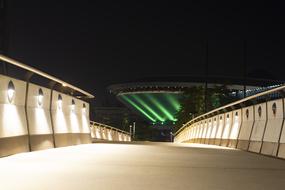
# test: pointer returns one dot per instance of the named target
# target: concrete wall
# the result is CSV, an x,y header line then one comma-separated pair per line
x,y
106,133
205,128
70,120
13,122
26,122
214,130
221,122
258,128
274,124
209,130
235,128
38,112
200,131
246,127
227,128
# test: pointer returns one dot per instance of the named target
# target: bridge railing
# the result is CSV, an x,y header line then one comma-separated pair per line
x,y
39,114
101,131
255,124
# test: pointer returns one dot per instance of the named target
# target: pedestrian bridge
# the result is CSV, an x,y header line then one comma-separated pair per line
x,y
254,124
140,166
46,143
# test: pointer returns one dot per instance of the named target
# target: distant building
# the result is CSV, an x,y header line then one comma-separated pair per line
x,y
157,100
119,117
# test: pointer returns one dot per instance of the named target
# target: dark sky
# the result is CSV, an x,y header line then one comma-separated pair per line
x,y
93,44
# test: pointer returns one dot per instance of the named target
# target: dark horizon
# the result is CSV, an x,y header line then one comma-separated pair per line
x,y
95,44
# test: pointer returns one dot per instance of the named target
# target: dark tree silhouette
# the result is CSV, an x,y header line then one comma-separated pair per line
x,y
193,102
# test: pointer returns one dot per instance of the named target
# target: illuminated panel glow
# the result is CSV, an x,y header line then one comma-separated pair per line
x,y
155,106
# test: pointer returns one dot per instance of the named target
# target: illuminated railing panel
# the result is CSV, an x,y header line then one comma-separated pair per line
x,y
255,124
101,131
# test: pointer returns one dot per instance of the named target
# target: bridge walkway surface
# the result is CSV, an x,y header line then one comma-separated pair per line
x,y
144,166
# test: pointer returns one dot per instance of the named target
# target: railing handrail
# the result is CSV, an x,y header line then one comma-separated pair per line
x,y
43,74
232,104
109,127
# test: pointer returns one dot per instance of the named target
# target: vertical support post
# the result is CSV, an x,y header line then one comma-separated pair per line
x,y
134,129
26,112
282,127
253,111
262,140
240,126
51,117
131,131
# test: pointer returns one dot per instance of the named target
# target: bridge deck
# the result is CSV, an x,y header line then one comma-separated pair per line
x,y
141,166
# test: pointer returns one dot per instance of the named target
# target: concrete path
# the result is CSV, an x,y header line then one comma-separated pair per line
x,y
141,166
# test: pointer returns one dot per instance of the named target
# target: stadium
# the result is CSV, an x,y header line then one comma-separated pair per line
x,y
157,100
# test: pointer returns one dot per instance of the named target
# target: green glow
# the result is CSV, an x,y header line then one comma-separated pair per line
x,y
174,102
138,108
138,99
160,107
157,107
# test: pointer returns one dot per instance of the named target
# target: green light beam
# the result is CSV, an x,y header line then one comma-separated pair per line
x,y
160,107
173,101
138,108
138,99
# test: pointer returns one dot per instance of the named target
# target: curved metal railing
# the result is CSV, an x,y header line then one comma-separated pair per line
x,y
43,74
108,127
279,91
105,132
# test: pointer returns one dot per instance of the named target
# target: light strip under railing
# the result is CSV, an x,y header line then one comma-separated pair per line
x,y
109,127
232,104
43,74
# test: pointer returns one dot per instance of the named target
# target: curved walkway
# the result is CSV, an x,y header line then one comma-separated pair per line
x,y
141,166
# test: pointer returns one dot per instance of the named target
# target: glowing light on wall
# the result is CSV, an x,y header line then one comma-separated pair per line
x,y
40,97
104,134
10,91
227,129
13,122
98,133
235,128
220,128
72,105
41,122
60,122
59,102
74,123
84,109
110,135
214,130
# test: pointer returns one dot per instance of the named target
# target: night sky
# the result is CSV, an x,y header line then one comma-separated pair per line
x,y
93,44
